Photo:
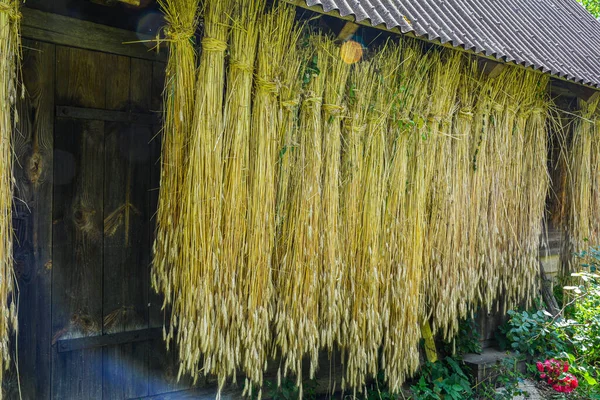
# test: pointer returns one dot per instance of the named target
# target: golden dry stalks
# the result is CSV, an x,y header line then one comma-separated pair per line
x,y
361,150
10,56
334,111
230,297
297,312
584,178
276,38
326,205
197,304
178,99
441,258
400,356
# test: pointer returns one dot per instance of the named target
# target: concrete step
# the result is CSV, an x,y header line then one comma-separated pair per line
x,y
491,362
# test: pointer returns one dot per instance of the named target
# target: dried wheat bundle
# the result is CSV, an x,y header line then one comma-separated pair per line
x,y
10,56
334,110
527,188
584,196
198,300
178,100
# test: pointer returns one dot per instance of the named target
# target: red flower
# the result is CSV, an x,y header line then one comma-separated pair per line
x,y
574,383
566,366
540,366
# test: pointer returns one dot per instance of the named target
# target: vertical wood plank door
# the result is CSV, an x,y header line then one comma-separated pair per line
x,y
101,224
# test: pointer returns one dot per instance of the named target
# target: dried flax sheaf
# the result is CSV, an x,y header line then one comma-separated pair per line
x,y
199,300
232,313
178,100
334,111
584,182
10,56
297,312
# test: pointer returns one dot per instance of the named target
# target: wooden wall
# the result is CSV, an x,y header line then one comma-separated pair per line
x,y
87,184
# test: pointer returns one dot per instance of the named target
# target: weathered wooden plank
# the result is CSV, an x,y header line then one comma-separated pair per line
x,y
106,115
80,78
77,375
126,247
33,147
126,255
67,345
126,371
163,369
118,82
74,32
77,255
141,86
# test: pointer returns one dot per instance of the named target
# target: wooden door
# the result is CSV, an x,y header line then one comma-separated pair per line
x,y
87,176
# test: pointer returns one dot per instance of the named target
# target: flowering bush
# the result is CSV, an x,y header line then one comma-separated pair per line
x,y
554,372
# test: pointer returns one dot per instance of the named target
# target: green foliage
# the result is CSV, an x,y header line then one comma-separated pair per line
x,y
593,6
289,391
443,379
379,389
573,336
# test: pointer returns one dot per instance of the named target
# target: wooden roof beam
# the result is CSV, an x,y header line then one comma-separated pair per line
x,y
135,3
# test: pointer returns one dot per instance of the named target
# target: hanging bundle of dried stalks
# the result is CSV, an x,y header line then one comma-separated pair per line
x,y
297,312
196,277
402,282
232,298
583,182
276,39
442,260
182,19
361,150
10,56
334,110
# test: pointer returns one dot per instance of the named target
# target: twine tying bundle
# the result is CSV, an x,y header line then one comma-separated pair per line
x,y
214,45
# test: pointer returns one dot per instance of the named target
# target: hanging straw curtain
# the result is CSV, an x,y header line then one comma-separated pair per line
x,y
10,56
317,205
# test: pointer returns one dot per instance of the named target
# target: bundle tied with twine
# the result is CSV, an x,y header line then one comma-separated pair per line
x,y
360,321
233,293
583,225
198,304
400,355
297,311
10,56
178,100
334,110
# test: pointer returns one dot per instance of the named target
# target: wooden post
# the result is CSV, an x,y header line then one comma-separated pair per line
x,y
427,335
